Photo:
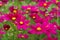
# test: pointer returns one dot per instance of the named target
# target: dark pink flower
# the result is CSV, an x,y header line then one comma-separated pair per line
x,y
1,3
1,18
44,4
22,24
54,1
50,28
39,0
13,9
36,29
13,17
30,8
23,36
4,1
6,27
51,38
1,33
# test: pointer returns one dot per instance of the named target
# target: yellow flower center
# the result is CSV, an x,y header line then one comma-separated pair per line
x,y
27,11
33,17
6,28
46,14
45,4
21,22
0,4
13,18
57,1
28,8
14,11
22,36
38,28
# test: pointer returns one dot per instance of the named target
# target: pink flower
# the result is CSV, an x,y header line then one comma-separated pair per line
x,y
13,17
51,38
4,1
34,16
1,3
1,18
22,24
50,28
54,1
13,9
44,4
25,36
39,0
1,33
6,27
29,8
36,29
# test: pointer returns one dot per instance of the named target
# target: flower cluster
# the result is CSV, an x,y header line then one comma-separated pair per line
x,y
33,19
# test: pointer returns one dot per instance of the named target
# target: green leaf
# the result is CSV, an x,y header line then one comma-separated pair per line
x,y
27,1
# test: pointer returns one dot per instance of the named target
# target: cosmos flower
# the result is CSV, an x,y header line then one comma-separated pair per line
x,y
51,38
13,9
50,28
6,27
2,33
29,8
1,3
25,36
22,24
38,0
44,4
13,17
1,19
36,29
34,15
54,1
5,1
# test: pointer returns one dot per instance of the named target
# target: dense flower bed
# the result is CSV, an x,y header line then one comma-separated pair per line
x,y
29,19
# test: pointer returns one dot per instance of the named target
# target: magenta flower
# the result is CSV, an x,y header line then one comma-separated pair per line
x,y
1,33
44,4
34,16
39,0
30,8
1,18
54,1
51,38
13,17
6,27
4,1
1,4
36,29
13,9
50,28
22,24
25,36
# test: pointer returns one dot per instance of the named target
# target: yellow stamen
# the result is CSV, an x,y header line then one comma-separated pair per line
x,y
46,14
27,11
14,11
6,28
57,1
22,36
0,4
28,8
13,18
38,28
45,4
34,17
21,22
